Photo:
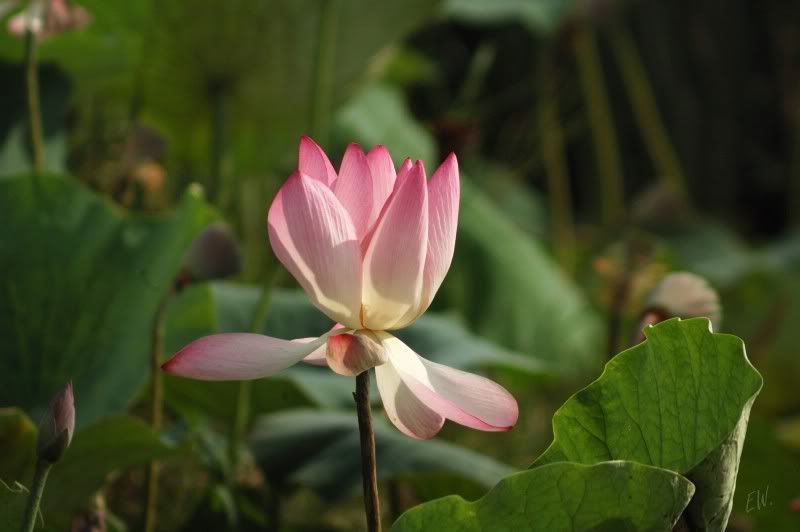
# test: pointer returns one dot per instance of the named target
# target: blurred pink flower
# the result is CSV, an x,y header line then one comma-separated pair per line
x,y
57,426
371,247
47,18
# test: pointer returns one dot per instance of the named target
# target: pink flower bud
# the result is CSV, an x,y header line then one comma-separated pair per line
x,y
55,430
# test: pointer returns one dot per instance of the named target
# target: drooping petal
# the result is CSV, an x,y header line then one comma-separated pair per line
x,y
313,162
443,196
313,237
403,408
383,178
465,398
353,189
394,261
238,356
319,357
351,354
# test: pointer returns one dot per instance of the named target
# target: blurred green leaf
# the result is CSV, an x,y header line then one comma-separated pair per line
x,y
13,499
378,114
320,450
680,400
18,441
82,283
562,497
540,16
768,480
109,445
513,293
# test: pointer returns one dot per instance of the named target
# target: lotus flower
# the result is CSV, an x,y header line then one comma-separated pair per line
x,y
47,18
370,246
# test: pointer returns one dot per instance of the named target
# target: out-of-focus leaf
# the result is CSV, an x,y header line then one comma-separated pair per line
x,y
271,61
228,307
111,444
320,450
540,16
13,498
513,293
563,497
768,480
82,281
17,440
378,115
680,400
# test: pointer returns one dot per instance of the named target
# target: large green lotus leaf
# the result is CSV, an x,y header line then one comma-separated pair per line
x,y
378,114
111,444
320,450
277,63
17,441
229,307
539,16
513,293
81,283
680,401
608,497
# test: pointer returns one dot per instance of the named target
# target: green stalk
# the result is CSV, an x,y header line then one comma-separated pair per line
x,y
645,109
555,165
35,497
34,111
217,147
602,124
324,70
242,416
369,470
156,410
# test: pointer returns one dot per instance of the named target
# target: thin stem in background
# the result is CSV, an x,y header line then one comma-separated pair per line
x,y
35,496
217,146
242,416
602,124
369,470
156,409
324,71
34,111
555,165
645,109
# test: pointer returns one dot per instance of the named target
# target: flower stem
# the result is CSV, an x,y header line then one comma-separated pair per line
x,y
601,122
645,109
156,409
34,112
35,497
369,471
324,71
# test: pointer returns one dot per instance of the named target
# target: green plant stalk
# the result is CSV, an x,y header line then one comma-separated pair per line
x,y
555,165
34,111
243,399
369,470
794,177
645,109
35,497
324,70
602,125
217,141
156,410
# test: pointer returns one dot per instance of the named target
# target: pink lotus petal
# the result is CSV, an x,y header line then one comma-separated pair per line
x,y
443,197
353,189
465,398
313,237
238,356
313,162
383,178
351,354
394,261
404,409
319,357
